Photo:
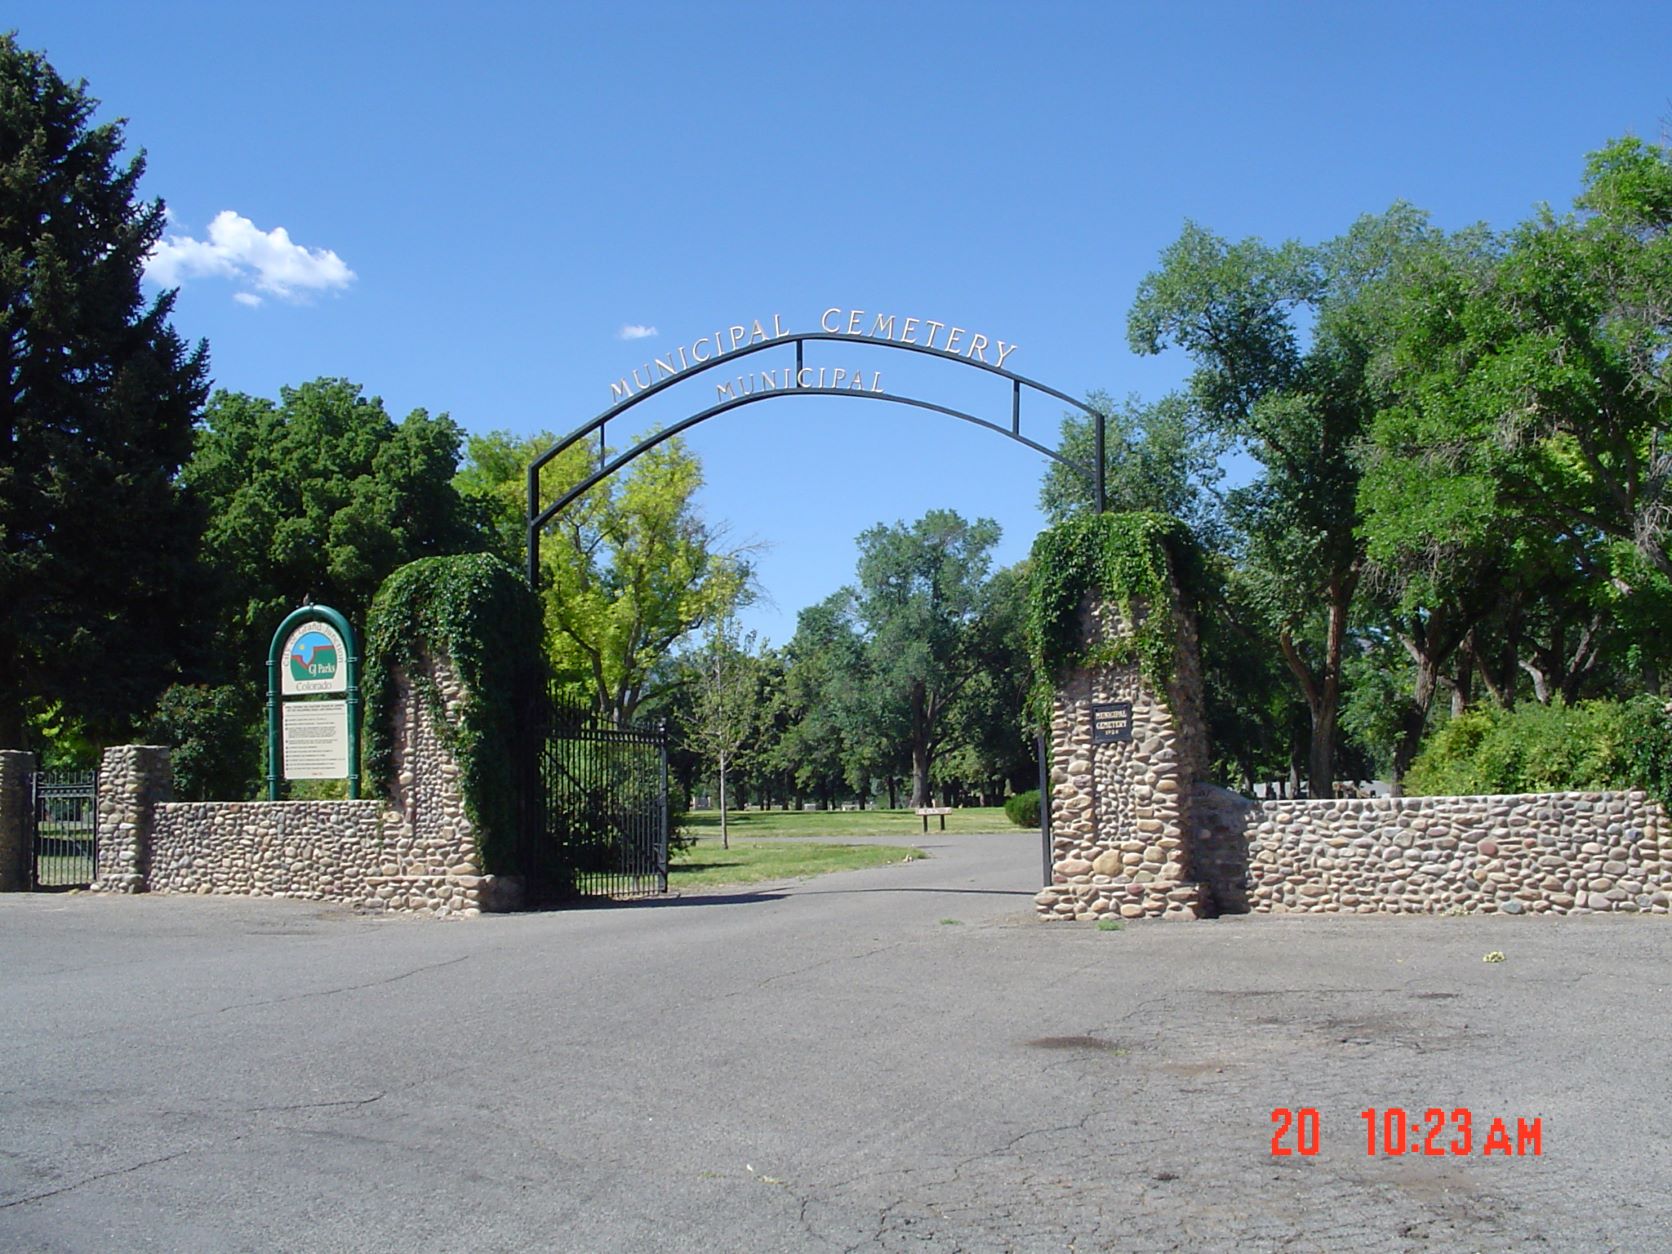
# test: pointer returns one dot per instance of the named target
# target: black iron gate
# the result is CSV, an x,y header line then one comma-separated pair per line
x,y
605,808
65,809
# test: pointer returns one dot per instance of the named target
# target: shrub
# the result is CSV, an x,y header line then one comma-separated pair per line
x,y
1023,808
1548,748
215,736
1646,731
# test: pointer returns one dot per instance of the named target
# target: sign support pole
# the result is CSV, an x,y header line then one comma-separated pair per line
x,y
273,723
353,714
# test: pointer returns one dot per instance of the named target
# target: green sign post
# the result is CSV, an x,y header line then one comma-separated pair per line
x,y
312,732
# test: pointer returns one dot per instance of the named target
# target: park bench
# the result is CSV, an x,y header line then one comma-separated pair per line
x,y
923,812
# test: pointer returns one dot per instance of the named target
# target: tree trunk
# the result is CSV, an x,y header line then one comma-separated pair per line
x,y
725,838
1502,688
1323,691
919,746
1541,682
1463,687
1583,659
1413,719
1321,762
1320,756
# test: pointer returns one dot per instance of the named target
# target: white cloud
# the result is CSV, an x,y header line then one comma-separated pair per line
x,y
237,249
635,331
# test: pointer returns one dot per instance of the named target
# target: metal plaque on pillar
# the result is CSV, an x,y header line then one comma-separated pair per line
x,y
1111,722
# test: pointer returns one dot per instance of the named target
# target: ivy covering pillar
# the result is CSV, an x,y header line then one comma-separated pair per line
x,y
1112,633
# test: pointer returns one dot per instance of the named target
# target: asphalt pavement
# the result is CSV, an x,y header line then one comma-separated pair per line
x,y
894,1059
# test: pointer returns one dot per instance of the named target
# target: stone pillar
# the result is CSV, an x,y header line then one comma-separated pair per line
x,y
1120,823
16,823
431,830
132,779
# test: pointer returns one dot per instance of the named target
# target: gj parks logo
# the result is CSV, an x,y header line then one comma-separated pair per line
x,y
314,660
313,657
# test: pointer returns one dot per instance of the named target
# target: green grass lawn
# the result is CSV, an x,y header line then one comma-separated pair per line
x,y
834,824
67,861
706,863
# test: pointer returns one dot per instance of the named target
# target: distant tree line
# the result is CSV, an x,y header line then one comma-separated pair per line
x,y
903,688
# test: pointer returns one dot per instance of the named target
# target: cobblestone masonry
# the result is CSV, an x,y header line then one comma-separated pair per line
x,y
1120,817
1546,853
417,852
133,780
1135,833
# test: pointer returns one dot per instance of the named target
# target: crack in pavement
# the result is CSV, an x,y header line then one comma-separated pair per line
x,y
824,962
347,988
347,1101
103,1175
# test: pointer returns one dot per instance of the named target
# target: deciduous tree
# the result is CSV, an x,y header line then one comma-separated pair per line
x,y
921,597
1159,457
722,713
320,494
627,572
1283,338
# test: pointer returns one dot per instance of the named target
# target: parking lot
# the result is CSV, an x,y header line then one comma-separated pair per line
x,y
901,1058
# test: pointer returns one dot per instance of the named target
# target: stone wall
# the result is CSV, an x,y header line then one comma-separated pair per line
x,y
1136,833
353,851
132,780
1546,853
1120,812
415,852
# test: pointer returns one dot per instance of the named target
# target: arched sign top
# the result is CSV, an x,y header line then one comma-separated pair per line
x,y
744,340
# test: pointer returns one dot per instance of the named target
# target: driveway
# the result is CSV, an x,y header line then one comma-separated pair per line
x,y
893,1059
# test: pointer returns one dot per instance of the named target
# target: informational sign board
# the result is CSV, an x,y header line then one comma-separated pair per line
x,y
312,732
315,739
315,660
1111,722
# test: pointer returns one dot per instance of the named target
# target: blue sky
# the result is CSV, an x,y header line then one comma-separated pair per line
x,y
509,186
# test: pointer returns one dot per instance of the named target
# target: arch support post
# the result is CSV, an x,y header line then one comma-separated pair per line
x,y
533,531
1099,468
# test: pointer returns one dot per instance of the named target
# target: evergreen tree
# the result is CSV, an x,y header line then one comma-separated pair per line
x,y
96,414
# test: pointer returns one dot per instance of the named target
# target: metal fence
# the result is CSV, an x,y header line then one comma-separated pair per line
x,y
605,808
65,809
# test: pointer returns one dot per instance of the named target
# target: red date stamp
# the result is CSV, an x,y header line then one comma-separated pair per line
x,y
1392,1132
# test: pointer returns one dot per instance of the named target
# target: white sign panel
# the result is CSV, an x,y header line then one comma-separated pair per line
x,y
316,740
315,660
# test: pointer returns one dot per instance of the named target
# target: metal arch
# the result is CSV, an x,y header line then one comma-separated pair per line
x,y
736,402
538,518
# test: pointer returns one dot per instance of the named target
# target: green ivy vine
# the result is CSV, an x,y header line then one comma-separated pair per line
x,y
477,611
1130,559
